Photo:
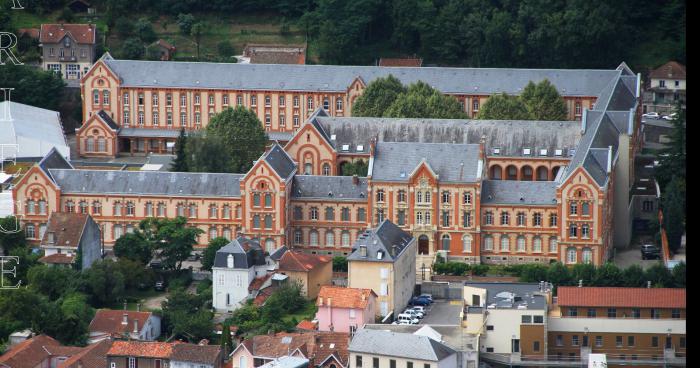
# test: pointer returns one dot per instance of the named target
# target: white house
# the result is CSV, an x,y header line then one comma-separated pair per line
x,y
386,349
236,265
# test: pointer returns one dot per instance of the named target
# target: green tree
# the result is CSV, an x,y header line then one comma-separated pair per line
x,y
503,107
172,237
559,275
633,276
75,316
672,159
33,86
66,15
124,27
179,164
203,153
185,22
358,168
673,202
226,340
534,273
678,274
132,48
543,101
210,253
585,272
135,274
135,247
19,309
103,283
225,49
53,282
608,275
378,96
659,275
198,30
243,135
340,264
11,235
423,101
144,30
185,315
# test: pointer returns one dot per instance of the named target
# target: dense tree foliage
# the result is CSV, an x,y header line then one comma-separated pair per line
x,y
11,235
504,107
358,168
32,86
172,238
187,316
543,101
135,247
179,164
253,320
340,264
378,96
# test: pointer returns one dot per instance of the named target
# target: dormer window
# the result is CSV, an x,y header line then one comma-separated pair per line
x,y
66,42
543,152
526,151
558,152
496,151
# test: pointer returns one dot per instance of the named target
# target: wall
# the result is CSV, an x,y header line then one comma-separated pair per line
x,y
506,326
384,361
90,243
235,282
318,277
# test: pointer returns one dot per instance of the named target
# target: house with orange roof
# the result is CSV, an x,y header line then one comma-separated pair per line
x,y
136,325
38,352
68,49
310,270
92,356
344,309
155,354
322,349
71,239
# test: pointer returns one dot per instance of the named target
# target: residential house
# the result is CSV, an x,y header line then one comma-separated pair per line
x,y
71,238
322,349
384,260
345,309
147,354
92,356
309,270
165,49
124,324
385,349
68,49
41,351
236,266
666,86
274,54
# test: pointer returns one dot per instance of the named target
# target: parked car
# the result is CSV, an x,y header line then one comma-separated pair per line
x,y
650,251
401,323
419,301
160,285
421,309
653,115
403,317
414,313
155,264
670,117
427,296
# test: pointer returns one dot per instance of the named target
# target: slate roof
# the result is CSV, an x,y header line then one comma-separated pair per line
x,y
301,262
379,243
278,253
280,161
92,356
246,254
149,133
401,345
147,183
621,297
328,187
454,163
201,354
107,119
510,136
34,131
109,321
54,33
337,78
508,295
519,192
343,297
67,228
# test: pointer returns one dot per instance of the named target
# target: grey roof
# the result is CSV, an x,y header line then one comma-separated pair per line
x,y
242,258
455,163
386,243
149,133
164,160
280,161
519,192
147,183
337,78
510,136
396,344
107,119
280,136
329,187
278,253
31,132
510,295
53,160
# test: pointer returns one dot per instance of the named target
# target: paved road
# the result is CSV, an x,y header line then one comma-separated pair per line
x,y
443,312
633,255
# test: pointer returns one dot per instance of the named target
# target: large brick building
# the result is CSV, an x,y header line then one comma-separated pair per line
x,y
148,102
479,191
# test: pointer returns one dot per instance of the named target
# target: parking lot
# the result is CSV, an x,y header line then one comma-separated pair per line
x,y
631,256
443,312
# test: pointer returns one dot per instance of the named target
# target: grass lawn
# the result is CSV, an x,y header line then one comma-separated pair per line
x,y
308,312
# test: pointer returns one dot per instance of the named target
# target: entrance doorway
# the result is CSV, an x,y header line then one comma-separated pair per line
x,y
423,244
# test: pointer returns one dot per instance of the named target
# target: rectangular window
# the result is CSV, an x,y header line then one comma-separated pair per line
x,y
675,313
598,341
560,340
392,363
375,362
655,314
358,361
618,341
132,362
409,364
539,319
526,319
655,341
591,312
612,313
574,340
630,340
536,346
573,312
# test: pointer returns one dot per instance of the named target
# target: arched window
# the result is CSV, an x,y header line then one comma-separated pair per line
x,y
30,230
401,196
96,207
488,218
466,244
553,245
446,197
90,144
269,245
573,208
585,231
268,200
520,218
427,218
512,173
83,206
553,220
573,231
213,233
380,195
585,209
427,197
227,233
467,198
496,172
256,221
314,213
488,242
537,219
361,214
446,242
330,238
537,244
419,197
42,206
118,231
345,239
70,206
96,97
587,255
298,237
326,169
521,243
101,145
345,214
308,169
339,104
571,255
313,238
326,104
419,218
310,103
505,243
256,200
268,221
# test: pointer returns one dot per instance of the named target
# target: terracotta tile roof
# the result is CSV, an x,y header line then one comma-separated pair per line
x,y
165,44
81,33
92,356
620,297
29,353
60,350
258,282
264,294
203,354
410,62
67,228
342,297
275,54
307,325
670,70
316,346
146,349
30,32
110,321
301,262
57,258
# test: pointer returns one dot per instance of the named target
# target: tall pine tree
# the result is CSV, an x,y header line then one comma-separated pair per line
x,y
180,162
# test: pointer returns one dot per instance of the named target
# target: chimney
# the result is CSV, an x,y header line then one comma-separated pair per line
x,y
580,283
583,121
124,305
136,326
125,318
482,146
229,261
355,180
609,168
648,284
138,307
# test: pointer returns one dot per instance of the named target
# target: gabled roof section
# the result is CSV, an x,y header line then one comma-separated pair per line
x,y
386,243
328,187
516,192
53,160
93,356
246,254
301,262
344,297
454,163
193,353
80,33
278,253
67,228
670,70
110,321
402,345
29,353
280,161
107,120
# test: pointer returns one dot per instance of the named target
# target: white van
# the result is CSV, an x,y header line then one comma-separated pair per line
x,y
407,318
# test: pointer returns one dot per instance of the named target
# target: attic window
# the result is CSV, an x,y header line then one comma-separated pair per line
x,y
360,147
558,152
332,137
346,147
526,151
543,152
496,151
